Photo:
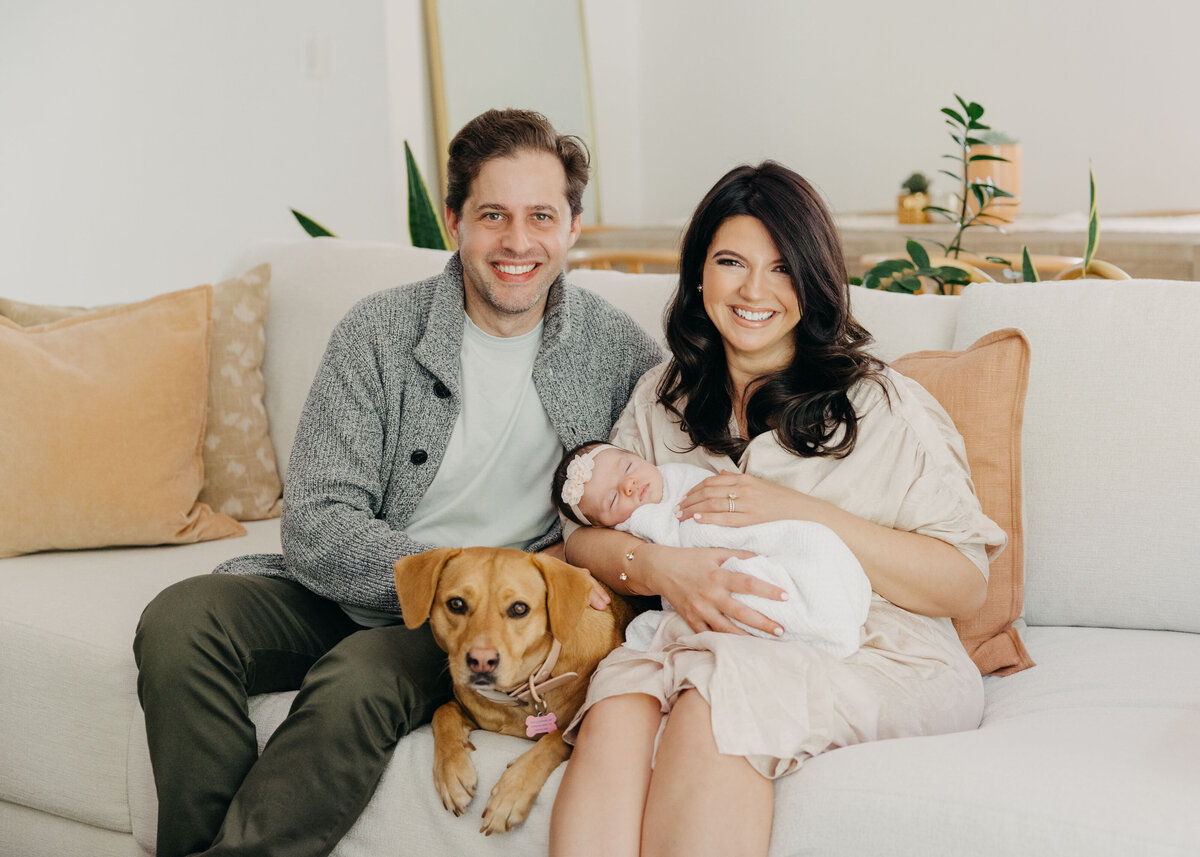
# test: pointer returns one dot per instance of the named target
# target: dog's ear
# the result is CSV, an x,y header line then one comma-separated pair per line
x,y
568,590
416,582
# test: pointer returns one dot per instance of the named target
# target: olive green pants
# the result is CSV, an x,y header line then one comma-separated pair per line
x,y
204,645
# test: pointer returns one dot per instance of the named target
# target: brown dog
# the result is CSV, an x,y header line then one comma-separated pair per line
x,y
498,614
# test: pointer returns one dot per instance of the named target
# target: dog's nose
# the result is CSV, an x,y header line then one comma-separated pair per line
x,y
483,661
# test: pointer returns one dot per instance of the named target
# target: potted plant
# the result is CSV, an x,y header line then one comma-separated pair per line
x,y
1002,168
912,204
973,199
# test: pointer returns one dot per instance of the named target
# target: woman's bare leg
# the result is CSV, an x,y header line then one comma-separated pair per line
x,y
700,801
599,806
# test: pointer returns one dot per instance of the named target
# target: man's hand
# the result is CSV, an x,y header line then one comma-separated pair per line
x,y
599,599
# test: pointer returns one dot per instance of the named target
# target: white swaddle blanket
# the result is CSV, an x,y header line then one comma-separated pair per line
x,y
828,591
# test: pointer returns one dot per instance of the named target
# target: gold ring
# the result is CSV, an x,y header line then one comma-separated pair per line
x,y
731,497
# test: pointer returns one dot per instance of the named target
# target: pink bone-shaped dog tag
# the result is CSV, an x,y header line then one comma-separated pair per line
x,y
543,725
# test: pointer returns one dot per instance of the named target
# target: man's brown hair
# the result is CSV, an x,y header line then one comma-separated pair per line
x,y
503,133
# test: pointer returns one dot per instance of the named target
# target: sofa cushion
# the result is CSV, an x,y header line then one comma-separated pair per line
x,y
1112,478
902,323
983,390
67,684
107,411
643,296
1106,767
240,477
314,282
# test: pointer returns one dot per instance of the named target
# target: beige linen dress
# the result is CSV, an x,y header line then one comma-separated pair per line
x,y
779,703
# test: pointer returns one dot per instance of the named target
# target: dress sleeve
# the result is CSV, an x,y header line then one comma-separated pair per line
x,y
940,500
635,429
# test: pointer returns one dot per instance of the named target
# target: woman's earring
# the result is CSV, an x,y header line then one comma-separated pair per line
x,y
700,287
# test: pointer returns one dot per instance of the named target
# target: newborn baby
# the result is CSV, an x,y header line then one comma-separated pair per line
x,y
828,592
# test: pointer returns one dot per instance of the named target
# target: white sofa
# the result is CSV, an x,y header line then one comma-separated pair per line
x,y
1095,751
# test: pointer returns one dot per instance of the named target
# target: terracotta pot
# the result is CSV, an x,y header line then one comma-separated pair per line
x,y
1006,176
909,208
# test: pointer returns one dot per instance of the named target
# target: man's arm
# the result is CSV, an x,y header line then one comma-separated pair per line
x,y
334,541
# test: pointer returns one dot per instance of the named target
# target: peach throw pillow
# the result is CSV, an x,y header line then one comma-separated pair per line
x,y
240,476
983,390
101,428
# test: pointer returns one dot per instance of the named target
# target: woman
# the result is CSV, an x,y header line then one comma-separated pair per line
x,y
770,387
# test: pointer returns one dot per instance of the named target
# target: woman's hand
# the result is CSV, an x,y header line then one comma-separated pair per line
x,y
701,591
739,499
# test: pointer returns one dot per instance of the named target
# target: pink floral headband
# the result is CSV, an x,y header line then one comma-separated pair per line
x,y
579,473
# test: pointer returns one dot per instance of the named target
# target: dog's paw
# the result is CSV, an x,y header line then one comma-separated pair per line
x,y
455,778
510,801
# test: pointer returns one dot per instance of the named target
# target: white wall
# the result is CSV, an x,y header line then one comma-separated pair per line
x,y
848,94
613,30
143,142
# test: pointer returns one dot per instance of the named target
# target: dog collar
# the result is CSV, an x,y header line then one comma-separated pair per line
x,y
532,688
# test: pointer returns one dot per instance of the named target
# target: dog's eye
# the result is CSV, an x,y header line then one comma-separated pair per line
x,y
456,605
518,609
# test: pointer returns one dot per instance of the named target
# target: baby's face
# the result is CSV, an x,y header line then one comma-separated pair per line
x,y
620,483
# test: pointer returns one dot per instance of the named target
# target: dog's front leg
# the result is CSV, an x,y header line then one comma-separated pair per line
x,y
513,795
453,771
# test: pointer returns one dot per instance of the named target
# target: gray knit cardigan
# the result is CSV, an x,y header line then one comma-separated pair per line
x,y
379,415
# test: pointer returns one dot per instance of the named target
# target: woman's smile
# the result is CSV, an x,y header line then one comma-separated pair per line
x,y
749,294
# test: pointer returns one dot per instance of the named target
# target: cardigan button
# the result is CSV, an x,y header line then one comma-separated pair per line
x,y
419,456
441,390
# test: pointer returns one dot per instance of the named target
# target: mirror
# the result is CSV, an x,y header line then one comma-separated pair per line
x,y
530,54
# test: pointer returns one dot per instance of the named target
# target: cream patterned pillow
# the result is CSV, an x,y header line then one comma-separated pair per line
x,y
240,476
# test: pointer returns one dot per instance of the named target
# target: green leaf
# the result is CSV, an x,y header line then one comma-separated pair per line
x,y
423,227
966,107
856,281
999,260
999,193
987,158
980,192
951,274
917,253
1093,236
311,226
910,284
979,126
954,114
975,141
1027,270
974,111
870,280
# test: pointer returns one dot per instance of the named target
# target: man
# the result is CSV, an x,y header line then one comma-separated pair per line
x,y
437,416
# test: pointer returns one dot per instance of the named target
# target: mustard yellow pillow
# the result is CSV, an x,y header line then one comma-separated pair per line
x,y
101,428
240,476
983,391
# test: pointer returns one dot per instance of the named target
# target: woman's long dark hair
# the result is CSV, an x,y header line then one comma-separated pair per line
x,y
806,402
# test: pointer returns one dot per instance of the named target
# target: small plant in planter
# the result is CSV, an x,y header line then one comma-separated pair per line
x,y
912,205
916,183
